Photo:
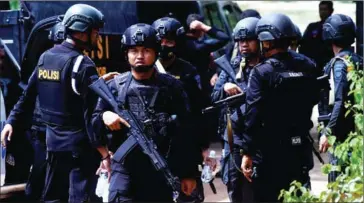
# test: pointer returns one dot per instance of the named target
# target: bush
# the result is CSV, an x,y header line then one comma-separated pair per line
x,y
348,187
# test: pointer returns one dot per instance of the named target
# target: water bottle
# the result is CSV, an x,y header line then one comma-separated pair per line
x,y
207,175
102,188
2,149
2,165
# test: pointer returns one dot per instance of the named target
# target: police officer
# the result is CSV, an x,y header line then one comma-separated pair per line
x,y
281,93
239,189
312,44
171,33
35,184
198,50
61,81
295,43
339,31
232,49
143,90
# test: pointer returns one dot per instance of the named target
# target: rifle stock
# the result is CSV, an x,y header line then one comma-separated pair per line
x,y
229,101
225,65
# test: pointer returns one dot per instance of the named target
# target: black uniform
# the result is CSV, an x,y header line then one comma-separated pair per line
x,y
282,92
197,52
280,97
239,189
37,132
339,124
69,136
190,79
339,30
172,29
313,46
187,74
35,184
134,178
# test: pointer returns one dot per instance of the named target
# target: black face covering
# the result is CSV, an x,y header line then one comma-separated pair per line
x,y
167,53
88,46
249,55
142,69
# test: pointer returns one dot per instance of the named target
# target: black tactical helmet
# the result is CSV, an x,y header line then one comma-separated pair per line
x,y
140,35
169,28
250,13
82,17
339,27
57,33
298,34
245,29
275,26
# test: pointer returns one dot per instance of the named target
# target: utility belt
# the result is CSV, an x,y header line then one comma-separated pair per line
x,y
64,120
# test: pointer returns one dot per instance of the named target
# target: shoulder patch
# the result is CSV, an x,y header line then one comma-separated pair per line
x,y
338,68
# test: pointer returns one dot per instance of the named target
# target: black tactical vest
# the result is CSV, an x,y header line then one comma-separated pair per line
x,y
58,102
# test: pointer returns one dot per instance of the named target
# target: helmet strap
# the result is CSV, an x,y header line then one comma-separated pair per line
x,y
264,50
82,44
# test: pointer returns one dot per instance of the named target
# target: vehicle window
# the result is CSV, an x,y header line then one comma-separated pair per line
x,y
212,16
231,16
237,10
207,16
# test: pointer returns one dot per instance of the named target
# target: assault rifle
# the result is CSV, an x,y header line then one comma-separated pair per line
x,y
227,102
137,136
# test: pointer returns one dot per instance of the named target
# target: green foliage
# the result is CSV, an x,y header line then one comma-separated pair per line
x,y
348,187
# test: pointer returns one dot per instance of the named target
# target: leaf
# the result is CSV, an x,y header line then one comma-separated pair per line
x,y
359,121
298,184
352,85
347,113
353,142
325,169
336,168
292,188
282,194
303,190
336,196
331,140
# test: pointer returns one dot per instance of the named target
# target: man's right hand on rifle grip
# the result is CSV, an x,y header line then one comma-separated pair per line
x,y
113,121
232,89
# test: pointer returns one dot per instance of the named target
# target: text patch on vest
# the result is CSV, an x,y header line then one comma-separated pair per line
x,y
50,75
